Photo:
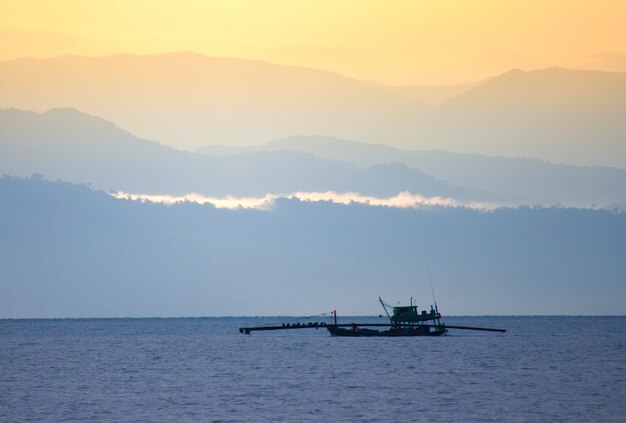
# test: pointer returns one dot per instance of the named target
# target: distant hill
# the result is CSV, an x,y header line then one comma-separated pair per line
x,y
431,95
556,114
73,146
517,180
188,100
68,251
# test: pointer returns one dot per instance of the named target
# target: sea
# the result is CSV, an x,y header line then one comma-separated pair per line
x,y
543,369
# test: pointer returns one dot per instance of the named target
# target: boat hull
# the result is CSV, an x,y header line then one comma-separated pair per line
x,y
401,331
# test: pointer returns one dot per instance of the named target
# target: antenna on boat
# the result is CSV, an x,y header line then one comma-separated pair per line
x,y
431,285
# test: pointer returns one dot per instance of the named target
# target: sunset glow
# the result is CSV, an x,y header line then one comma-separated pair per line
x,y
402,42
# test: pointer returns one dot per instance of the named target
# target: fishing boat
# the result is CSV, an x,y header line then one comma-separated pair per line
x,y
403,321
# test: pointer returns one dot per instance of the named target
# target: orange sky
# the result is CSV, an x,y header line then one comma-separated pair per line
x,y
397,42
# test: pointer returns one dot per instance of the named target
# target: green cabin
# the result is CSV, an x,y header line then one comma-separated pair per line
x,y
411,314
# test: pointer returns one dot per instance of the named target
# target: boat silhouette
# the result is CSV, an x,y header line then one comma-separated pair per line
x,y
403,321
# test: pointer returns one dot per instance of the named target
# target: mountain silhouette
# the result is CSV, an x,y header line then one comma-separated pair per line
x,y
188,101
69,145
561,115
516,180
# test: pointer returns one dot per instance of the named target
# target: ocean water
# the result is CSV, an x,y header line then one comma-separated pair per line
x,y
544,369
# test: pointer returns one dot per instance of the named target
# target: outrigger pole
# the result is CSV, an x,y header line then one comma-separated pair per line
x,y
316,325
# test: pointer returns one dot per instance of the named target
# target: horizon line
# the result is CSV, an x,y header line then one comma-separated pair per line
x,y
295,316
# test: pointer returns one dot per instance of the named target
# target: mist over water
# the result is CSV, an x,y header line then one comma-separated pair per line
x,y
570,369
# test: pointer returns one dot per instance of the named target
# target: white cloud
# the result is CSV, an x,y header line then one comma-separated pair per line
x,y
402,200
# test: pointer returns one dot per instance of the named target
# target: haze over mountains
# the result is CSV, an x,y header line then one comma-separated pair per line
x,y
557,114
68,251
69,145
516,180
72,146
233,128
188,101
431,95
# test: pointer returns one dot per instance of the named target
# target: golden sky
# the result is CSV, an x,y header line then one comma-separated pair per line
x,y
396,42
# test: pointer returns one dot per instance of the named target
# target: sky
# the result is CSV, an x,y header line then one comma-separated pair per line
x,y
400,42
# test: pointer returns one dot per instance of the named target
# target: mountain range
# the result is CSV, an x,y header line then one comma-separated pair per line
x,y
516,180
563,115
188,101
70,145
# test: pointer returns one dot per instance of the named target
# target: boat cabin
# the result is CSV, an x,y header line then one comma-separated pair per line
x,y
410,314
405,313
